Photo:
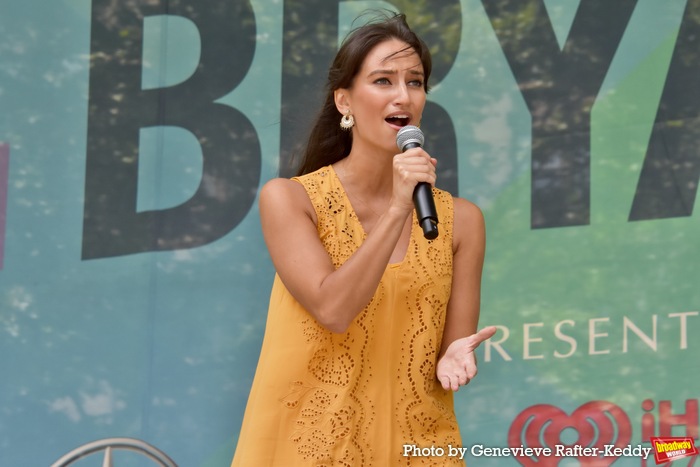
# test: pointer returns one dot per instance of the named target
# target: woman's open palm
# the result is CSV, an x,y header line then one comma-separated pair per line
x,y
458,366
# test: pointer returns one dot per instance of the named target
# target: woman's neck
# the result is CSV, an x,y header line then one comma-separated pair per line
x,y
369,167
369,175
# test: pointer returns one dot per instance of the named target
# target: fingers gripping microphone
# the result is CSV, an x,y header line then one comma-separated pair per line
x,y
410,137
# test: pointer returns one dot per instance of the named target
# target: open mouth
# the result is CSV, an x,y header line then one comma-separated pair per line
x,y
398,121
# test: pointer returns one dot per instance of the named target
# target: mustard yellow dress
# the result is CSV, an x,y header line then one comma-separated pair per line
x,y
356,399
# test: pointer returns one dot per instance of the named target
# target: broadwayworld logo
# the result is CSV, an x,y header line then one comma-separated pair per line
x,y
668,449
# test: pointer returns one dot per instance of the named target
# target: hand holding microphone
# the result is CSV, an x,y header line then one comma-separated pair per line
x,y
410,137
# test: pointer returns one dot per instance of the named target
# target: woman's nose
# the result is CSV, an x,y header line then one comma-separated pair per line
x,y
402,95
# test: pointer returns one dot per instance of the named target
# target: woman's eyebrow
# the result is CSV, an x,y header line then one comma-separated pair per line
x,y
382,72
393,72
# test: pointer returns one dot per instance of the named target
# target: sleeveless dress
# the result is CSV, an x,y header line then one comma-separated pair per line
x,y
356,399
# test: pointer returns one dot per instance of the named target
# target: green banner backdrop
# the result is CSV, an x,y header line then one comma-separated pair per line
x,y
135,135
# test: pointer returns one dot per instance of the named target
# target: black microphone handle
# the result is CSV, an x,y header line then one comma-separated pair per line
x,y
425,209
425,204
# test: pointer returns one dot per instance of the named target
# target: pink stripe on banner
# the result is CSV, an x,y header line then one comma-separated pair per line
x,y
4,177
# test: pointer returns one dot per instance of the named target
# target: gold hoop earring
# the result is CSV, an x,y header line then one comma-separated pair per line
x,y
347,122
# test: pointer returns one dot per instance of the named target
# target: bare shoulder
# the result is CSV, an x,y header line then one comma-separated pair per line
x,y
281,187
283,192
469,224
467,213
284,196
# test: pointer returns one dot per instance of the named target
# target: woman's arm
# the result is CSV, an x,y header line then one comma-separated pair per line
x,y
457,363
334,297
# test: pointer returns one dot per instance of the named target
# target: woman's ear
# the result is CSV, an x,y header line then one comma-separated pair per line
x,y
342,102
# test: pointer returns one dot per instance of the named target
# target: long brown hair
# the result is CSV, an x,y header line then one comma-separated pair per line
x,y
327,142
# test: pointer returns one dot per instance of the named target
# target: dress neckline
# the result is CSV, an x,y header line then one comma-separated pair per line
x,y
353,214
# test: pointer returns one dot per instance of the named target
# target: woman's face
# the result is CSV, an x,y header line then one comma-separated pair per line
x,y
387,94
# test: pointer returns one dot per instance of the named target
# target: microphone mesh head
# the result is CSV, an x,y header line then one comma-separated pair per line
x,y
409,134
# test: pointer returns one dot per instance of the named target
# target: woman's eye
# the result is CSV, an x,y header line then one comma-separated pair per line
x,y
382,81
417,83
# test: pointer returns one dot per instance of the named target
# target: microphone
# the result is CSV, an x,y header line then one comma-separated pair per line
x,y
410,137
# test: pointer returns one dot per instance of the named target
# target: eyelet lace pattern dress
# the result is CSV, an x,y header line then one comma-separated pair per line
x,y
355,399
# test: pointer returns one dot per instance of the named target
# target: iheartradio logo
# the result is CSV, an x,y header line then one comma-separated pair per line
x,y
602,434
